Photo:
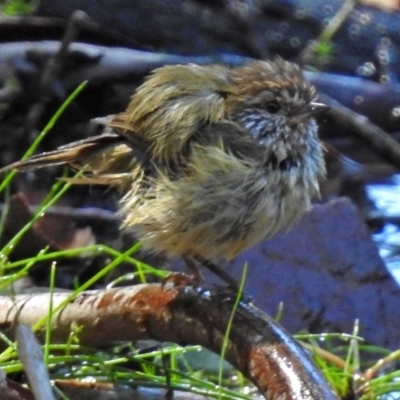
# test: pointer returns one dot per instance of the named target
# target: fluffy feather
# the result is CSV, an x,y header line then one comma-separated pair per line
x,y
211,159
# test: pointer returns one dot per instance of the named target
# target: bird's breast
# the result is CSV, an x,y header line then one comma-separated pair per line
x,y
275,203
221,206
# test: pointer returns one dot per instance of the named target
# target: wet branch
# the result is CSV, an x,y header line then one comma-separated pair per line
x,y
258,346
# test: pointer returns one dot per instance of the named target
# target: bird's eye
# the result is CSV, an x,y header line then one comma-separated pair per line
x,y
273,107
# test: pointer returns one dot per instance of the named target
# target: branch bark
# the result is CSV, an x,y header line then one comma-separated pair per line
x,y
258,346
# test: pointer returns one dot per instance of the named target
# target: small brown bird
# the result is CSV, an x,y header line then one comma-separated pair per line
x,y
211,159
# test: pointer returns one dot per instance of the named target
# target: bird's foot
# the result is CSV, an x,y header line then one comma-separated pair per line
x,y
180,279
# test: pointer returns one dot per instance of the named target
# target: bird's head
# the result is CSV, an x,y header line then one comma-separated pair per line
x,y
273,101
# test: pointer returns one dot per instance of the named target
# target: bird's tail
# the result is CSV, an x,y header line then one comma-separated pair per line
x,y
108,159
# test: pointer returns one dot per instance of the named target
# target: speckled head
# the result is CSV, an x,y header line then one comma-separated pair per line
x,y
268,96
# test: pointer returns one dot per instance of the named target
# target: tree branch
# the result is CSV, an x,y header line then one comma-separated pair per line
x,y
258,346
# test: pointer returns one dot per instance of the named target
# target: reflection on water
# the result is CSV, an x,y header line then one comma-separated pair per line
x,y
387,200
386,196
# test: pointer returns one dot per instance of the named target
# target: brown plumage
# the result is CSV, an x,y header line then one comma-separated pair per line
x,y
211,159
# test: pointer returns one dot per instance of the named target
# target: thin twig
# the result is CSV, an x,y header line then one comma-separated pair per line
x,y
308,53
31,356
361,127
53,69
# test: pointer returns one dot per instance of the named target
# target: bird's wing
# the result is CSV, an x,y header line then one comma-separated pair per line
x,y
171,105
108,159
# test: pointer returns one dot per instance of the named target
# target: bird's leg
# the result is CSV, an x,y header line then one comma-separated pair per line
x,y
215,269
194,269
195,276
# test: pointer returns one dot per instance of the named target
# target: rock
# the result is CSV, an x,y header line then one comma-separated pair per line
x,y
327,272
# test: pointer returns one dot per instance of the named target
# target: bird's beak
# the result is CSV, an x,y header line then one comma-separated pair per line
x,y
308,112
